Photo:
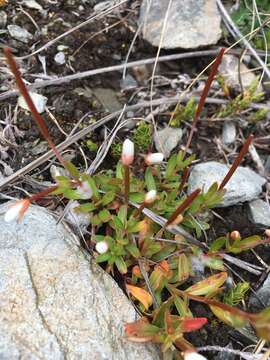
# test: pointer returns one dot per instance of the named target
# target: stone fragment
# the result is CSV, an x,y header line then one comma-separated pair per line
x,y
167,139
244,185
263,294
60,58
3,19
191,23
230,70
259,212
19,33
40,102
32,4
228,133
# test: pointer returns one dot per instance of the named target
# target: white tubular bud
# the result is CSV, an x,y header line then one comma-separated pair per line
x,y
150,197
17,210
102,247
127,152
154,158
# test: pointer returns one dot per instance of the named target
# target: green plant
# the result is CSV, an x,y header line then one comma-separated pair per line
x,y
143,225
116,150
244,19
235,295
241,102
142,136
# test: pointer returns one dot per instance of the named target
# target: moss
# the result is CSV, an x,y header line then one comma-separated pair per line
x,y
116,150
91,145
142,137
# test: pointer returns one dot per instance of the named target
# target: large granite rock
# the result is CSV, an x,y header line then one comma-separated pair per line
x,y
55,303
191,23
244,185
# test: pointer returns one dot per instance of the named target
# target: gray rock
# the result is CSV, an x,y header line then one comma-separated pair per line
x,y
263,294
79,220
191,23
60,58
230,69
108,98
244,185
267,164
167,139
19,33
228,133
40,102
32,4
259,212
58,171
3,19
55,303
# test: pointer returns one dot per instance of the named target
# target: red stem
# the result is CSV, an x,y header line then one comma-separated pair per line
x,y
184,179
126,183
183,206
206,89
42,193
37,117
236,162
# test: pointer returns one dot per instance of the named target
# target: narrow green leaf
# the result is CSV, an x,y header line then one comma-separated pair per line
x,y
121,265
74,172
133,250
149,180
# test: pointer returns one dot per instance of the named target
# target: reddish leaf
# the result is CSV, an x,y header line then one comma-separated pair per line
x,y
193,324
141,330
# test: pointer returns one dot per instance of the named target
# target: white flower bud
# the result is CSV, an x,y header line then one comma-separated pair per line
x,y
84,190
102,247
193,356
17,210
154,158
267,232
150,197
127,152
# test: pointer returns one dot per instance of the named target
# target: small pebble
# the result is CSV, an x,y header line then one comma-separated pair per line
x,y
259,212
19,33
38,100
3,19
228,133
60,58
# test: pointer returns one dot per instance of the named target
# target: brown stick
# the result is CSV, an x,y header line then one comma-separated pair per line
x,y
42,193
203,96
183,206
236,162
184,179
